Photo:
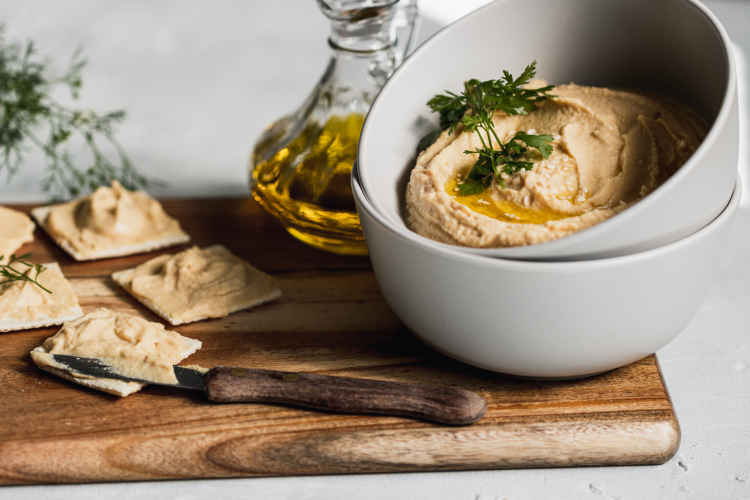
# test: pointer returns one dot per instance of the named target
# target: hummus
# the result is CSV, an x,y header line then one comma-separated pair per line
x,y
24,305
611,148
16,229
134,347
197,284
110,219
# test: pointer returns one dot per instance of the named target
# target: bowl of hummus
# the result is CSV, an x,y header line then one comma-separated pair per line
x,y
542,320
643,130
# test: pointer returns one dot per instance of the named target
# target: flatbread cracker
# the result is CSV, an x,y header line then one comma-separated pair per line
x,y
40,215
117,387
125,280
10,323
16,229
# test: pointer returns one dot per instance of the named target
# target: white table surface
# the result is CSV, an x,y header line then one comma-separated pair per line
x,y
201,79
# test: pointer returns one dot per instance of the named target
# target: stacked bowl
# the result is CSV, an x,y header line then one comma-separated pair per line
x,y
597,299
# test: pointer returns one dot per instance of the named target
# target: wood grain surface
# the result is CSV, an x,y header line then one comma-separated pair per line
x,y
331,320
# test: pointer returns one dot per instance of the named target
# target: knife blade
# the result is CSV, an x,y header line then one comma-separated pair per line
x,y
187,378
230,384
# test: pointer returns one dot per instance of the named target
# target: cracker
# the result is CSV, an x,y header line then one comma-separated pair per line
x,y
8,244
120,388
9,324
40,215
12,324
125,279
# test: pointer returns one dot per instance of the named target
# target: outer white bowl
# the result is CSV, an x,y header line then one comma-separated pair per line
x,y
542,319
676,47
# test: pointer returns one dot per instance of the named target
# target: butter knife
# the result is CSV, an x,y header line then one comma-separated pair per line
x,y
228,384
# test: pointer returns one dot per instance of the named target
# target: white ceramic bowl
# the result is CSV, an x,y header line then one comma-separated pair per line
x,y
676,47
542,319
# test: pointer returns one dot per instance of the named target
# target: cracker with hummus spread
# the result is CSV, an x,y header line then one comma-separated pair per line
x,y
133,346
16,228
197,284
24,305
110,222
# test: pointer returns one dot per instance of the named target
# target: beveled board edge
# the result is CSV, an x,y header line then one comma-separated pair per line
x,y
397,445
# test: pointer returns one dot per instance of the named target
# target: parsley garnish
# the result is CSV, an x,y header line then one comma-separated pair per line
x,y
12,275
474,108
491,162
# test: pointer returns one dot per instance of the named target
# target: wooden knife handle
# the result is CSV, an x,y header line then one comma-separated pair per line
x,y
447,405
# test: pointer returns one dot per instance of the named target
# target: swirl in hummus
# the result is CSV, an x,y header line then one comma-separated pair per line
x,y
611,148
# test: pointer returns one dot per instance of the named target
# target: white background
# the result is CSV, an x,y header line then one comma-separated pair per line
x,y
201,79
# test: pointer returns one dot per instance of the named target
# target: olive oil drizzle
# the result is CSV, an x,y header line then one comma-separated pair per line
x,y
503,210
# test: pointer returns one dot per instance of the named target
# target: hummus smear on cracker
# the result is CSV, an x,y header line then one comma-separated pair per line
x,y
197,284
110,222
16,229
131,346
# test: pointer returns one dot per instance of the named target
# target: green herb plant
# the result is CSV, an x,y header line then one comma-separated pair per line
x,y
474,108
11,274
29,115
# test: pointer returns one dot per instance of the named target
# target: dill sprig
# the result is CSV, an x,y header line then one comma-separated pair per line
x,y
29,115
6,271
474,108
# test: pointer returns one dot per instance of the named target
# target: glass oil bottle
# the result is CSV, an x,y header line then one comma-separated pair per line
x,y
300,168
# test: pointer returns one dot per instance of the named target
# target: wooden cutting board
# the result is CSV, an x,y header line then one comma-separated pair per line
x,y
331,320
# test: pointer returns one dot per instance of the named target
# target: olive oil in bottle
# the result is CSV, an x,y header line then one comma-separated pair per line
x,y
300,169
307,185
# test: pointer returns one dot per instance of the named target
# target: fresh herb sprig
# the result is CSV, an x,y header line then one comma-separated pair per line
x,y
27,112
474,108
489,161
11,275
450,117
